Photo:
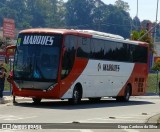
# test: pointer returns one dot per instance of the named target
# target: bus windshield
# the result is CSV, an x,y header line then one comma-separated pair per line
x,y
37,57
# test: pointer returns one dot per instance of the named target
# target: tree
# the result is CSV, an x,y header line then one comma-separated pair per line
x,y
79,13
35,10
22,17
94,14
4,42
122,5
136,24
100,13
118,21
1,41
156,66
46,13
55,14
6,12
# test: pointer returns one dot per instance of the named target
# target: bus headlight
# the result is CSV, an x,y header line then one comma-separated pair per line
x,y
51,87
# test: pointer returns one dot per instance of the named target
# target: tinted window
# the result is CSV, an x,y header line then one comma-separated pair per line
x,y
97,48
69,54
83,47
37,57
111,50
139,53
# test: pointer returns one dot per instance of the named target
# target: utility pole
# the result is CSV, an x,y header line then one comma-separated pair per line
x,y
156,22
155,41
137,9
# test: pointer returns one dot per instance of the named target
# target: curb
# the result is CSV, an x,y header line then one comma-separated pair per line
x,y
154,119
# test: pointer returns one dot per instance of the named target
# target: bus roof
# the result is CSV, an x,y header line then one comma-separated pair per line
x,y
55,31
87,33
71,31
102,34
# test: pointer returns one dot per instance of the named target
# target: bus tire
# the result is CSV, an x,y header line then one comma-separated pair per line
x,y
36,100
76,97
97,99
126,96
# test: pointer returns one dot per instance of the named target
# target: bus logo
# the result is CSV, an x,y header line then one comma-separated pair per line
x,y
111,67
99,66
108,67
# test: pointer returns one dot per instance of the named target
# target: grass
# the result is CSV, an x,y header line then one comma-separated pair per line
x,y
152,83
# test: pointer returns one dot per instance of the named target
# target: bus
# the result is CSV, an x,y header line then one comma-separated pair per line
x,y
75,64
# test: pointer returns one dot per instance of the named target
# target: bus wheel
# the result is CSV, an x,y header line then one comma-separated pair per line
x,y
36,100
76,97
95,99
126,96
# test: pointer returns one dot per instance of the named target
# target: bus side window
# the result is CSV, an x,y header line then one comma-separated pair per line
x,y
83,50
68,55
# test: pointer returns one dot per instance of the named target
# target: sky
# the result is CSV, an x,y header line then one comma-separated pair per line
x,y
146,8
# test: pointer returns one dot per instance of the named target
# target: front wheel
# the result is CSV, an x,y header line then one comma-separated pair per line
x,y
76,97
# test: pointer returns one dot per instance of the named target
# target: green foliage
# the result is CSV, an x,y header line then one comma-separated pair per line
x,y
119,22
145,37
156,66
122,5
94,14
80,14
33,13
4,42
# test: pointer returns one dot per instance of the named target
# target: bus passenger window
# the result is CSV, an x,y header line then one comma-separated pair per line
x,y
83,50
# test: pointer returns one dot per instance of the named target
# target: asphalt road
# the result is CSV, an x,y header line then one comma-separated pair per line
x,y
137,110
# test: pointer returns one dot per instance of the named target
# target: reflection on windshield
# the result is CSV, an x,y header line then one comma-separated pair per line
x,y
36,62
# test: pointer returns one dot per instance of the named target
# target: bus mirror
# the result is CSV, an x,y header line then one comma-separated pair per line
x,y
10,51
